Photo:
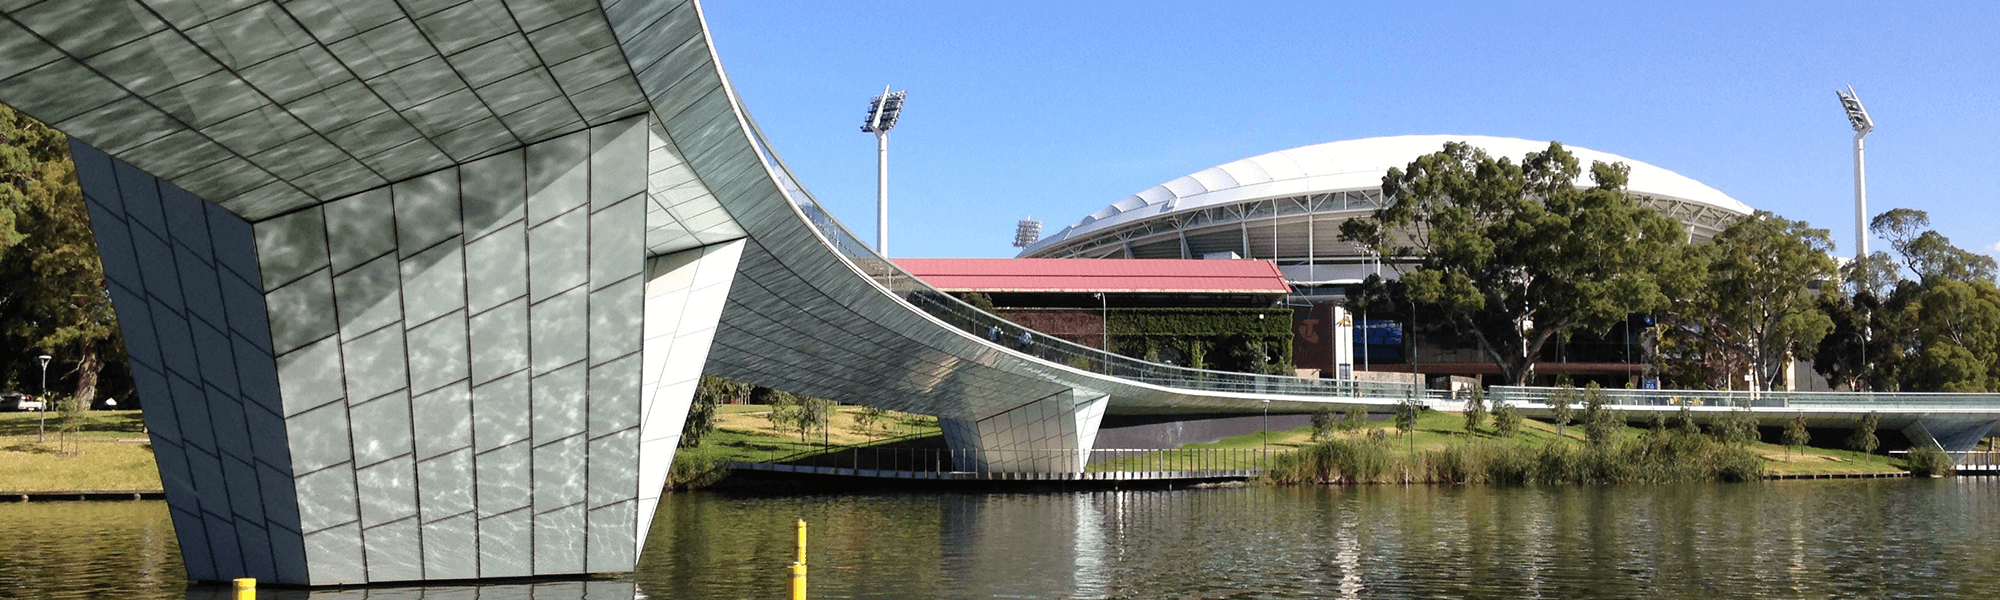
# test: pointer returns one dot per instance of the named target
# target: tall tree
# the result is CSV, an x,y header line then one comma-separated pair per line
x,y
709,394
1957,328
52,295
1752,294
1931,333
1516,255
1927,253
1853,352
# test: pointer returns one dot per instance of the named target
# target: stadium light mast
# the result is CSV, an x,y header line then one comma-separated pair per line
x,y
882,114
1858,117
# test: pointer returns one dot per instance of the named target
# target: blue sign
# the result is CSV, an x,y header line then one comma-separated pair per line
x,y
1378,341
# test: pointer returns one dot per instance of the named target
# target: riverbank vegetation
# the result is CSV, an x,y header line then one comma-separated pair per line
x,y
1665,456
1438,450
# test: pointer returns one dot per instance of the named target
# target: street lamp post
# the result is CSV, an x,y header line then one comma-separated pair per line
x,y
883,111
41,427
1267,431
1103,321
1858,118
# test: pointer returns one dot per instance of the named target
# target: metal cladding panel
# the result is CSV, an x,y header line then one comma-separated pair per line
x,y
199,396
266,107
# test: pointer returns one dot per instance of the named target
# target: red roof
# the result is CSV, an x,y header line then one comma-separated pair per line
x,y
1098,275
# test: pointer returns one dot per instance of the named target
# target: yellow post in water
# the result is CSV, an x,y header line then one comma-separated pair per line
x,y
799,566
246,589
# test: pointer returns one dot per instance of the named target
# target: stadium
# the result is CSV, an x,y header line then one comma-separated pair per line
x,y
1287,207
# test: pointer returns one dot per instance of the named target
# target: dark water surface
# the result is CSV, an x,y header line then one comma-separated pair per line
x,y
1838,539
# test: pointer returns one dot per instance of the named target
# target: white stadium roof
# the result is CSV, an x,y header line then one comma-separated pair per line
x,y
1352,165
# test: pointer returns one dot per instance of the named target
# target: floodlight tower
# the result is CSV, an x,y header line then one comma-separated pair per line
x,y
882,114
1027,232
1858,117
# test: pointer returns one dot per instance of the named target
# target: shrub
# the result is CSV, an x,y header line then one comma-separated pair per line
x,y
1406,418
1930,461
691,472
1355,418
1324,422
1599,423
1737,428
1337,461
1668,457
1475,411
1560,409
1506,420
1683,420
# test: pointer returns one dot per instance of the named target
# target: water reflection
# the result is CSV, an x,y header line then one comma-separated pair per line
x,y
549,590
1922,538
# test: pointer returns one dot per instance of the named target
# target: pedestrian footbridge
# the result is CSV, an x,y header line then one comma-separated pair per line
x,y
422,290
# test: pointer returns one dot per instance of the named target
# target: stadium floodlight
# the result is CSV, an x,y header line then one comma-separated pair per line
x,y
1027,232
1857,116
883,111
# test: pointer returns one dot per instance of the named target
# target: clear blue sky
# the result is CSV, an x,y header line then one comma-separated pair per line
x,y
1057,109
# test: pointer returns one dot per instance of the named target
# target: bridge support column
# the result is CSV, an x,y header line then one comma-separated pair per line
x,y
1952,433
684,298
1052,434
438,378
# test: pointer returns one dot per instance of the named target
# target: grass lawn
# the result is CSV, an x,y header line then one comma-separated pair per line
x,y
109,452
743,433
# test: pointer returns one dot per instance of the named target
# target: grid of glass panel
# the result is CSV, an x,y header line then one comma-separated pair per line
x,y
183,276
361,391
1050,435
267,106
475,332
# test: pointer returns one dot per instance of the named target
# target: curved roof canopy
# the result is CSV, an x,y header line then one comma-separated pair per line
x,y
1354,165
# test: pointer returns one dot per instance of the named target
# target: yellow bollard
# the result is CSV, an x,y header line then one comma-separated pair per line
x,y
246,588
799,565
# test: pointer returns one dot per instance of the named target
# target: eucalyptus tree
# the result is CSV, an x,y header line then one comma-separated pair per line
x,y
1933,331
52,295
1751,294
1517,254
1560,407
1957,329
1927,253
1795,435
709,394
1863,439
1475,411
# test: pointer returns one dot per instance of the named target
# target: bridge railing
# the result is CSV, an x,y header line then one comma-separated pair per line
x,y
1977,460
1987,461
1000,331
1735,399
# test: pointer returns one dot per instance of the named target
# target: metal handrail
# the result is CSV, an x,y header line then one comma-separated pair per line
x,y
1002,332
1739,399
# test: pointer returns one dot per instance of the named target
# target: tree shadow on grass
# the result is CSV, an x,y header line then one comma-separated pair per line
x,y
100,422
32,448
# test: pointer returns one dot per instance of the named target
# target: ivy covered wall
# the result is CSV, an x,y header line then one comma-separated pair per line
x,y
1249,340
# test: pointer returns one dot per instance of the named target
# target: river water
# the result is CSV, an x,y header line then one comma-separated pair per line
x,y
1826,539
